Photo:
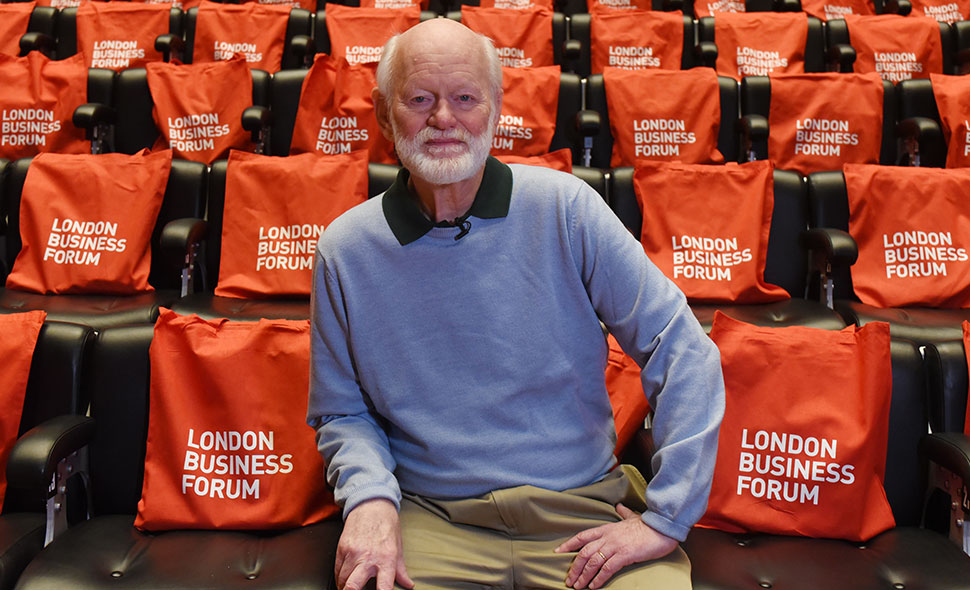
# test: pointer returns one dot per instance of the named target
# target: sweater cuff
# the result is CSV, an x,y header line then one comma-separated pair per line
x,y
665,526
371,492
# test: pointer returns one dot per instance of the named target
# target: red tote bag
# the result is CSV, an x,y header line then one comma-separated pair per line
x,y
37,105
92,236
944,11
359,34
336,113
952,94
759,44
896,48
629,403
715,7
836,9
518,4
822,121
228,445
664,115
18,338
636,40
713,246
275,211
912,227
120,35
14,18
799,455
198,108
522,38
255,31
561,160
528,119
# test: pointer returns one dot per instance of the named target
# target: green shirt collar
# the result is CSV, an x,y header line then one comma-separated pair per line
x,y
408,223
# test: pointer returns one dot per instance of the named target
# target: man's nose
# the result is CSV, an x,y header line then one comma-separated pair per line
x,y
442,117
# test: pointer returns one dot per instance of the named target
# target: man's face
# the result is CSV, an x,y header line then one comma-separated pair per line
x,y
442,116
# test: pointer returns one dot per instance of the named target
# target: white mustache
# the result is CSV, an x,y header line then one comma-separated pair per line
x,y
432,134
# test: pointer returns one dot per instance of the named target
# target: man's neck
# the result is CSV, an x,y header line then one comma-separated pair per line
x,y
445,202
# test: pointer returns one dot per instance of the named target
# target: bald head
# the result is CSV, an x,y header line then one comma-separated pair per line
x,y
438,36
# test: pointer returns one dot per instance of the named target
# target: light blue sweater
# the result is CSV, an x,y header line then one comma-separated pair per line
x,y
450,368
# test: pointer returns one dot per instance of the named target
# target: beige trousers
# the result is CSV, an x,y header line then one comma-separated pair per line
x,y
505,539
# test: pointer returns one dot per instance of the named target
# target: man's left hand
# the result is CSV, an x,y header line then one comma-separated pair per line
x,y
606,549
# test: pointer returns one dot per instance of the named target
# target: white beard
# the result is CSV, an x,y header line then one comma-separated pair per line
x,y
443,165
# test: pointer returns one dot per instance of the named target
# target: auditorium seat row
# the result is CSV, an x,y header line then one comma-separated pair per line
x,y
96,545
828,45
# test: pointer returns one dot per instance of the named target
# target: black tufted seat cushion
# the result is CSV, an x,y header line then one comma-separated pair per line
x,y
919,324
904,557
113,554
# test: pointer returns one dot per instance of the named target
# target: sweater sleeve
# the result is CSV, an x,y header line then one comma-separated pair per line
x,y
680,365
349,434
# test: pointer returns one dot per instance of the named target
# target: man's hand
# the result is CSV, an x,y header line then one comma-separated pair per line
x,y
606,549
370,547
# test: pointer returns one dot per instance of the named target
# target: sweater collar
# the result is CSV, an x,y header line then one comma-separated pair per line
x,y
408,223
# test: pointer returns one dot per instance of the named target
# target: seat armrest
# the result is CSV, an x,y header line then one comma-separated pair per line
x,y
950,450
96,119
961,61
34,458
672,5
754,137
255,119
786,6
588,122
830,246
571,49
900,7
946,508
706,53
34,41
839,58
304,49
170,46
89,115
918,134
180,243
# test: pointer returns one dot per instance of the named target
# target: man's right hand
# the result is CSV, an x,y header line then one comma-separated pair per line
x,y
370,547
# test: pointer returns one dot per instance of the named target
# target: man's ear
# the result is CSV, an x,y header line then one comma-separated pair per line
x,y
498,106
383,116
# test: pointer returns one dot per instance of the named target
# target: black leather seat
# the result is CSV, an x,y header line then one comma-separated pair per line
x,y
946,375
184,200
906,556
208,305
560,55
815,60
727,139
54,393
756,107
580,30
829,207
134,127
920,126
65,30
785,265
321,34
108,552
837,34
297,45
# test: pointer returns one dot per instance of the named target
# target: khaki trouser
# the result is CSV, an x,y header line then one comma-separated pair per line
x,y
505,539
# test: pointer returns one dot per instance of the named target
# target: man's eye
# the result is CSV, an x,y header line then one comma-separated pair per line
x,y
419,99
465,97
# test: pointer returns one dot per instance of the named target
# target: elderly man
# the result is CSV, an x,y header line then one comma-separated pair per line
x,y
457,381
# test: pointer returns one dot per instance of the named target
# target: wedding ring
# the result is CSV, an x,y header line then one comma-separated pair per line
x,y
601,555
